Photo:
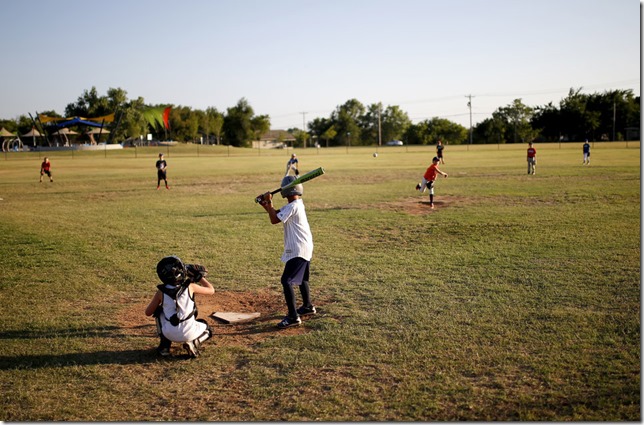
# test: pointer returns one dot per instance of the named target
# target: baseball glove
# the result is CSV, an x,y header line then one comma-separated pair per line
x,y
195,272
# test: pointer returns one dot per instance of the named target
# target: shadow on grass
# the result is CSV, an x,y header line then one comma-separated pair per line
x,y
50,339
122,357
98,332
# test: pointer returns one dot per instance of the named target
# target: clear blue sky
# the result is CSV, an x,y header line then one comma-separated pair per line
x,y
287,57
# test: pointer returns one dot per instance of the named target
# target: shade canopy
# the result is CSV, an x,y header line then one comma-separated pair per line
x,y
65,131
5,133
32,133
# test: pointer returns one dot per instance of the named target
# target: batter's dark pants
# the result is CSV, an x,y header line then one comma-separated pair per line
x,y
296,272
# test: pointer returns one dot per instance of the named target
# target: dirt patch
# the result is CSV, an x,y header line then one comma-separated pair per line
x,y
269,303
420,205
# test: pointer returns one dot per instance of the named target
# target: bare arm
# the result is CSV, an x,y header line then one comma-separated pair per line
x,y
267,203
154,303
204,287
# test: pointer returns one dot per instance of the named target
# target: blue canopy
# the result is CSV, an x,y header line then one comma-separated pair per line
x,y
78,121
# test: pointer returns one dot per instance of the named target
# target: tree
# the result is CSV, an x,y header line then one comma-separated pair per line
x,y
447,131
215,122
89,105
329,134
418,134
346,122
517,118
237,124
133,124
547,121
490,130
370,125
394,123
260,125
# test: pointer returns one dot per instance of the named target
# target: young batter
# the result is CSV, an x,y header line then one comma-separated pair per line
x,y
298,250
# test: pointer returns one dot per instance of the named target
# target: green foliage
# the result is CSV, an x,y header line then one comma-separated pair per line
x,y
237,125
598,116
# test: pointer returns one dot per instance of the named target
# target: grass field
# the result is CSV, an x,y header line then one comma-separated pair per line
x,y
517,299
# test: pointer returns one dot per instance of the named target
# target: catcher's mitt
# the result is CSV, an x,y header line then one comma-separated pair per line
x,y
195,272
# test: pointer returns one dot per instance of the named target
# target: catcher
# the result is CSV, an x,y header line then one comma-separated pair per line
x,y
173,305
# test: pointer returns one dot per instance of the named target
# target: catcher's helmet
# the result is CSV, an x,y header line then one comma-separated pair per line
x,y
291,191
171,270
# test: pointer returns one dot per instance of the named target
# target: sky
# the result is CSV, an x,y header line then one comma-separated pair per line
x,y
297,60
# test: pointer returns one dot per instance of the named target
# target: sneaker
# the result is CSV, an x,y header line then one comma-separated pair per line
x,y
431,206
418,186
167,187
157,187
192,347
164,352
287,322
303,311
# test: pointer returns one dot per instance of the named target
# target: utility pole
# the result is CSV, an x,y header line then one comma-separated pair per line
x,y
469,105
379,125
304,125
614,119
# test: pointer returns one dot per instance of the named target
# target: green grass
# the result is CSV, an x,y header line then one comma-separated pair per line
x,y
517,299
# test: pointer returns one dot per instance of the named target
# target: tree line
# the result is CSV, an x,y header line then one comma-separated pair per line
x,y
611,115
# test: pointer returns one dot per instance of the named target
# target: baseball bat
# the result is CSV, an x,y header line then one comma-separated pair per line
x,y
300,179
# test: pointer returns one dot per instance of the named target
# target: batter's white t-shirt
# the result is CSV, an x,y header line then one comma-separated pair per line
x,y
298,240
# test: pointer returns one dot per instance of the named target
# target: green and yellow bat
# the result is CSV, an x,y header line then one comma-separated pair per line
x,y
300,179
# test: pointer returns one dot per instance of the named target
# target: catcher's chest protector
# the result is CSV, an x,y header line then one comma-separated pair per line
x,y
177,303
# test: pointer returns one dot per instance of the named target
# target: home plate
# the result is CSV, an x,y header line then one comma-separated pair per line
x,y
233,317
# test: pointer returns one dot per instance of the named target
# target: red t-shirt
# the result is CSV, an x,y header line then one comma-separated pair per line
x,y
45,166
430,174
532,152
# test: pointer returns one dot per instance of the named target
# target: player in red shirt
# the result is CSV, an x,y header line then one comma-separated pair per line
x,y
428,180
45,168
532,159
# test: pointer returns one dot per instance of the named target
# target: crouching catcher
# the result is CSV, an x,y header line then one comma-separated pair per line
x,y
173,305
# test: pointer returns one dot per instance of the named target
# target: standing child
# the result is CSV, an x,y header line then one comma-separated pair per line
x,y
173,305
45,168
532,159
586,150
428,180
298,250
439,151
162,165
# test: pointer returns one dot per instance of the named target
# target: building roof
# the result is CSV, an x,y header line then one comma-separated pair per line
x,y
274,135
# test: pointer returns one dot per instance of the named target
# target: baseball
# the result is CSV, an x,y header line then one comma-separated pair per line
x,y
375,155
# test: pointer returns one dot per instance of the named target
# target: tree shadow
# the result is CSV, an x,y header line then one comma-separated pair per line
x,y
123,357
82,332
103,357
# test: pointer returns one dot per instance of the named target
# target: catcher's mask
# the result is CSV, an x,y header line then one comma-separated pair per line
x,y
171,270
298,189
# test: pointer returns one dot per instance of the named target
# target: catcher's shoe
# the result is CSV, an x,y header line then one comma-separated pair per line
x,y
303,311
287,322
192,347
163,351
